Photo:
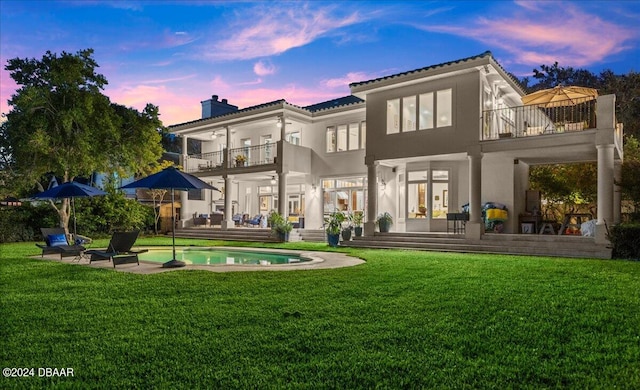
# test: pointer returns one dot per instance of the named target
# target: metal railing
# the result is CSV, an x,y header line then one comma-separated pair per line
x,y
250,156
205,161
526,121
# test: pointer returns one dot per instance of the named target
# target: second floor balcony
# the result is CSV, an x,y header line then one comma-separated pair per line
x,y
527,121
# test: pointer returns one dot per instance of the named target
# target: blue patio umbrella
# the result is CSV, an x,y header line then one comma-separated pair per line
x,y
171,179
71,190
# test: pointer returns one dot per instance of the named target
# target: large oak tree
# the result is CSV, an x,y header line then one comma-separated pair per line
x,y
61,123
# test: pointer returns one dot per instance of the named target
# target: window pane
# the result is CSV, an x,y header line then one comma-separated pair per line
x,y
409,113
331,139
341,144
416,200
328,184
417,175
393,116
440,175
363,135
444,107
440,202
426,111
293,138
354,136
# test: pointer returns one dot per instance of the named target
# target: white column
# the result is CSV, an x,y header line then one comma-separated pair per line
x,y
474,228
283,125
184,195
372,199
605,190
282,195
228,223
617,193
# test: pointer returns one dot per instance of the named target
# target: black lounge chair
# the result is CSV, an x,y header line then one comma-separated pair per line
x,y
56,242
119,249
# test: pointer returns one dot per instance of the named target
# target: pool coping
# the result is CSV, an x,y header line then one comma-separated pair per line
x,y
319,260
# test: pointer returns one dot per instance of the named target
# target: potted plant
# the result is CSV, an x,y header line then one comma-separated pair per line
x,y
240,160
384,222
333,226
347,227
422,209
280,226
357,219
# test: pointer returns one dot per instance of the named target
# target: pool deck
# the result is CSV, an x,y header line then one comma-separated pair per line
x,y
319,260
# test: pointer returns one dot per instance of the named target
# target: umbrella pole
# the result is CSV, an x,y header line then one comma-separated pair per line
x,y
174,263
73,207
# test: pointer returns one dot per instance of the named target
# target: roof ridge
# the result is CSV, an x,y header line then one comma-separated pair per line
x,y
482,55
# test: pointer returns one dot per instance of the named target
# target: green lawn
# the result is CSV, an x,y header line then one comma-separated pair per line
x,y
405,319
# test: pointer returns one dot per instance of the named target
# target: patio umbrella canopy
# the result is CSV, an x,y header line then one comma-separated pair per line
x,y
171,179
560,96
71,190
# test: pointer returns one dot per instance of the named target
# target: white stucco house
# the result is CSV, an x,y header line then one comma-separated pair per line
x,y
418,144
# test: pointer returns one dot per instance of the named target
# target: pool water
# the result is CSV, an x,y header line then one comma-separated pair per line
x,y
221,256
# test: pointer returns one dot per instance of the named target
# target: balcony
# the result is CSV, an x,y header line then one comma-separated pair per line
x,y
251,156
527,121
205,162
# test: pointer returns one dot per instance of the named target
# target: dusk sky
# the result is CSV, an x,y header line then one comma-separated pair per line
x,y
174,54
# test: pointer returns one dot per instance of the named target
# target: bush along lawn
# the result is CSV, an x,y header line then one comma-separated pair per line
x,y
405,319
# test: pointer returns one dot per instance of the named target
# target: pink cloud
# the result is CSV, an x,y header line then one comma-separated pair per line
x,y
264,68
276,29
571,37
342,82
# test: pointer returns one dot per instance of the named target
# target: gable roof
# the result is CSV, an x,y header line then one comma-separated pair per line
x,y
417,72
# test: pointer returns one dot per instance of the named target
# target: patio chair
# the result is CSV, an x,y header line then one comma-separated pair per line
x,y
255,221
119,249
56,242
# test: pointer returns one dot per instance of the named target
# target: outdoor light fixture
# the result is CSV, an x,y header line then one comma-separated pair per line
x,y
279,124
214,135
383,185
273,180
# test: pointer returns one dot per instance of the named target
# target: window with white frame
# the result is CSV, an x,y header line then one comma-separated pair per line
x,y
293,137
343,138
428,110
363,135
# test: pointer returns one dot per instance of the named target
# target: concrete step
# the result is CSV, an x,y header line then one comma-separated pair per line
x,y
514,244
236,234
313,235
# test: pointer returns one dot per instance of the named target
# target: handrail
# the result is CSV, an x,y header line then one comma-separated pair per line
x,y
249,156
526,121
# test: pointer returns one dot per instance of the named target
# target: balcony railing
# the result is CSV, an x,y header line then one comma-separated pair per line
x,y
250,156
205,161
526,121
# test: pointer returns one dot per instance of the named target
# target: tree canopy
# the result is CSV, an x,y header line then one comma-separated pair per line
x,y
61,123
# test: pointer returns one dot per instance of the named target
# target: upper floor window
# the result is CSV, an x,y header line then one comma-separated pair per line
x,y
345,137
293,137
428,110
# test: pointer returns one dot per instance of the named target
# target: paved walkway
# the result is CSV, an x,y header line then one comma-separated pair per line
x,y
319,260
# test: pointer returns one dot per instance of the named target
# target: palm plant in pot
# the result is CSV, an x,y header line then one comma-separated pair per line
x,y
357,220
347,227
280,226
384,222
333,227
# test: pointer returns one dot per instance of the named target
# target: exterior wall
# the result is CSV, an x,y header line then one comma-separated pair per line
x,y
457,138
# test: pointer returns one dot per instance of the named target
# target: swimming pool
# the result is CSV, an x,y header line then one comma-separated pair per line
x,y
213,256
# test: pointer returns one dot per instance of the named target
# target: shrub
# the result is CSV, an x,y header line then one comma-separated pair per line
x,y
23,223
626,241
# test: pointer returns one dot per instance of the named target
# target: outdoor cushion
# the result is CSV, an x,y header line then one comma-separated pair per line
x,y
57,240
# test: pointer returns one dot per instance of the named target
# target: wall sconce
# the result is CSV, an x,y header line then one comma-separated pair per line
x,y
383,185
314,187
214,135
273,180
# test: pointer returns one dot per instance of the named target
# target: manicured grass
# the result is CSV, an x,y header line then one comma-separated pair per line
x,y
405,319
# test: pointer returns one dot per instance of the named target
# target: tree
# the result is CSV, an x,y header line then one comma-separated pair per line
x,y
157,195
630,183
60,123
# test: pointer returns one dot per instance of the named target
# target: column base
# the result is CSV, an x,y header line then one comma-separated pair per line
x,y
473,230
369,228
601,237
226,225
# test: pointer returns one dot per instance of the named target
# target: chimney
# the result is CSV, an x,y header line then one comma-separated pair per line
x,y
213,107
